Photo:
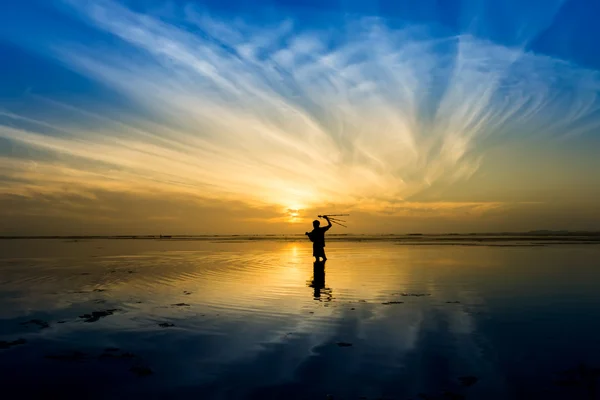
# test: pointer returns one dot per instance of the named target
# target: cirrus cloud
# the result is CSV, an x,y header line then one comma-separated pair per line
x,y
365,116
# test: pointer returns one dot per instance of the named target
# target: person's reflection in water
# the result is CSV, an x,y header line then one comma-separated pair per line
x,y
318,282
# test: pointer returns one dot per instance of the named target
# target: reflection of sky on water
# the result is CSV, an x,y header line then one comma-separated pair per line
x,y
253,327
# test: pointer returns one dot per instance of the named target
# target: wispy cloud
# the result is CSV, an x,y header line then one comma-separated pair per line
x,y
295,117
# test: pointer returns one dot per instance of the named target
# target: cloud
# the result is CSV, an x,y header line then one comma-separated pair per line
x,y
292,117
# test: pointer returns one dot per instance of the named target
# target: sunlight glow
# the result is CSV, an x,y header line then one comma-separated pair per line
x,y
287,117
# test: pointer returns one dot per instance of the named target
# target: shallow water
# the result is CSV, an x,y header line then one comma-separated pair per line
x,y
257,320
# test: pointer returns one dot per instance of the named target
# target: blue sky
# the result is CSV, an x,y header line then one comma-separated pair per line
x,y
566,29
402,108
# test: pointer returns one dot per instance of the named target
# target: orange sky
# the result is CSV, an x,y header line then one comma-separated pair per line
x,y
197,139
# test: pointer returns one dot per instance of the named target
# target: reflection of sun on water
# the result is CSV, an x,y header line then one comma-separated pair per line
x,y
291,259
294,256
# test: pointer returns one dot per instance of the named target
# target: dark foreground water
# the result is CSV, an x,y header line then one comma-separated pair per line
x,y
258,320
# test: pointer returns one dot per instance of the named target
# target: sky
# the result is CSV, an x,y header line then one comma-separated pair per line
x,y
235,117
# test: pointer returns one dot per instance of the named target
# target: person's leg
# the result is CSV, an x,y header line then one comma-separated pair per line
x,y
317,252
321,253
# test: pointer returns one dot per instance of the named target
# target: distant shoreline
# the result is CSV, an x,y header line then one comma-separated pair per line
x,y
502,238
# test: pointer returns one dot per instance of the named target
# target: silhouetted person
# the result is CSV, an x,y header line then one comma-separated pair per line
x,y
317,236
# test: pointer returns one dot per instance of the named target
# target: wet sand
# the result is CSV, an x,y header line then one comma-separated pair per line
x,y
247,319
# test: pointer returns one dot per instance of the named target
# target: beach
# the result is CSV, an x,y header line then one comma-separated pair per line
x,y
240,318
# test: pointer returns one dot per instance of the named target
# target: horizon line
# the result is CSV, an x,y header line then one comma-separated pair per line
x,y
174,236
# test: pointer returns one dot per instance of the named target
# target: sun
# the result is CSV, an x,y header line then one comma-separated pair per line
x,y
293,214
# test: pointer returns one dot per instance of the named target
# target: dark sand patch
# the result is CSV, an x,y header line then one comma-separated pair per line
x,y
116,354
141,370
71,356
38,322
7,345
414,294
96,315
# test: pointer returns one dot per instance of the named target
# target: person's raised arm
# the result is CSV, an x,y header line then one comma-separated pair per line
x,y
329,225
